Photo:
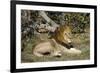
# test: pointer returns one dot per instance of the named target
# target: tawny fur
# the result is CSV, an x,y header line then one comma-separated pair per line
x,y
52,47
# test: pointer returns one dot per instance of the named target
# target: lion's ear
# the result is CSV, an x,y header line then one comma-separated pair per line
x,y
58,29
69,25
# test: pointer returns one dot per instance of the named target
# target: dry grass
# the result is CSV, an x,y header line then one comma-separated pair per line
x,y
80,41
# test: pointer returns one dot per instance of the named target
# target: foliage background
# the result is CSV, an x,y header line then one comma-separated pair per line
x,y
32,20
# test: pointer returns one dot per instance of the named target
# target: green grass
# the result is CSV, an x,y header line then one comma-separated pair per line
x,y
80,41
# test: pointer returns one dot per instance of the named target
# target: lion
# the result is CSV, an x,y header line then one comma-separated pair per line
x,y
59,44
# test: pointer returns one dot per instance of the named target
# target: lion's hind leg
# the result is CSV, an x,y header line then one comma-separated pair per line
x,y
38,54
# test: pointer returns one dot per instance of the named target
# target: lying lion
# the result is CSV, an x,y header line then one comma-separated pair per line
x,y
59,44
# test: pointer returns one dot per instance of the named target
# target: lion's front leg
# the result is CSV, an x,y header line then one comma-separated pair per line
x,y
73,49
69,50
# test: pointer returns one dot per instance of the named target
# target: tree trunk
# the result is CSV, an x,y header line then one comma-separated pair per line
x,y
49,21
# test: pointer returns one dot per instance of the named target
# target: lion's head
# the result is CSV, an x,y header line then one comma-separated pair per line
x,y
63,34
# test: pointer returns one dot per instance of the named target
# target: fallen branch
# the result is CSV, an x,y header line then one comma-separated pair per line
x,y
49,21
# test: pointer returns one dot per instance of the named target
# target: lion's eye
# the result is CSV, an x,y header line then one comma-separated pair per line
x,y
66,33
